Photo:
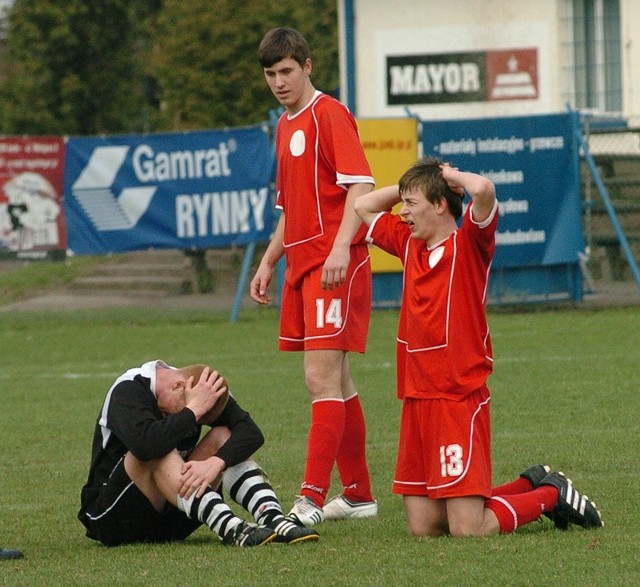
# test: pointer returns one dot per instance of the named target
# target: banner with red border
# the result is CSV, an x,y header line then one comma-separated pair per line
x,y
32,224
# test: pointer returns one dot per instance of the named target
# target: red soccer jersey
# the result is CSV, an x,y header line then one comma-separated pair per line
x,y
443,346
319,155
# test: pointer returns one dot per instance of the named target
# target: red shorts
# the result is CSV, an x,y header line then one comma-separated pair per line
x,y
334,319
445,447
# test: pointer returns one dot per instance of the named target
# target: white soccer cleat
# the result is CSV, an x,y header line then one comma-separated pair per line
x,y
305,512
341,508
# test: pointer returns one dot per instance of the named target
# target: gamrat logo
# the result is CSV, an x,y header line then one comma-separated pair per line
x,y
93,191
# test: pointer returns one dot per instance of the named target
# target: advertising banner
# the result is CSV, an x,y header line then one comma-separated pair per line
x,y
476,76
32,224
533,162
192,190
391,146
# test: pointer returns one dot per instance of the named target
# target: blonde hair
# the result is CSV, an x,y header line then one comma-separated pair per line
x,y
192,371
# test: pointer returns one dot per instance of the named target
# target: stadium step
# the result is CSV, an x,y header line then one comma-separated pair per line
x,y
161,273
133,284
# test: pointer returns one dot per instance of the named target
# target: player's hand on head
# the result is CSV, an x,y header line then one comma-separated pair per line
x,y
202,395
450,175
213,381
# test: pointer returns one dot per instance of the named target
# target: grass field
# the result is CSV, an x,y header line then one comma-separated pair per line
x,y
564,391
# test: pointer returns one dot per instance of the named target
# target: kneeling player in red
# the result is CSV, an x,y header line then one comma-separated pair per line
x,y
444,358
153,479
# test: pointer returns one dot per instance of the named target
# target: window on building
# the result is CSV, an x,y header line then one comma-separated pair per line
x,y
595,55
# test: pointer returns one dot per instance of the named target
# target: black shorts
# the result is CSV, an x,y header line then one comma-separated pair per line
x,y
121,514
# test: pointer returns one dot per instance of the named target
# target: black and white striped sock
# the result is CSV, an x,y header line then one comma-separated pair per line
x,y
249,487
210,510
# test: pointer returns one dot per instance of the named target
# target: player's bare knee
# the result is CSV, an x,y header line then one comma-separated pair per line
x,y
315,385
323,373
462,528
320,385
140,472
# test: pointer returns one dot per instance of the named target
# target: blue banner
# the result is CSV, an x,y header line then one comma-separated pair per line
x,y
534,164
193,190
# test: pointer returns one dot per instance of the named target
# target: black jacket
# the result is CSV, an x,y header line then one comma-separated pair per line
x,y
130,420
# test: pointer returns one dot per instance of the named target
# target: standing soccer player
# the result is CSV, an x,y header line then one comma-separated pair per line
x,y
444,358
326,301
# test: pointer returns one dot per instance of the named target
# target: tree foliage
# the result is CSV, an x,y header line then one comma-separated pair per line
x,y
72,67
204,57
82,67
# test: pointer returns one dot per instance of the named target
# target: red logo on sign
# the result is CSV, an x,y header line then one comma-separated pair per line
x,y
512,74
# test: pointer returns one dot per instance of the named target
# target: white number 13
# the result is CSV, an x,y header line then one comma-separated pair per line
x,y
451,460
333,314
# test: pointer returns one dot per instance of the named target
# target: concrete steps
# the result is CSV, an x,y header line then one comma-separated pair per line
x,y
162,273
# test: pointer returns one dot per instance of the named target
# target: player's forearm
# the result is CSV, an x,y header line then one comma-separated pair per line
x,y
481,190
368,206
246,438
275,250
477,186
351,222
152,440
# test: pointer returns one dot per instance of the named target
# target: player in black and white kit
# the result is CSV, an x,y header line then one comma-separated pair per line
x,y
153,479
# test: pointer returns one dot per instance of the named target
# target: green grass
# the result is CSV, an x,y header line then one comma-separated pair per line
x,y
565,390
17,280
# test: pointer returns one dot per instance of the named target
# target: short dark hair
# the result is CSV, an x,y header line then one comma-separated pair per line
x,y
281,43
425,175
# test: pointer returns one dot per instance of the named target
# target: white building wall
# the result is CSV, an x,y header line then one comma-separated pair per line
x,y
630,16
384,28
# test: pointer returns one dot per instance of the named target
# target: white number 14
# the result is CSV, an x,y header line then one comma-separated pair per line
x,y
333,315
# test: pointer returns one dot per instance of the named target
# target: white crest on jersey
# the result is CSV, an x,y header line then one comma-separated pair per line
x,y
297,143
